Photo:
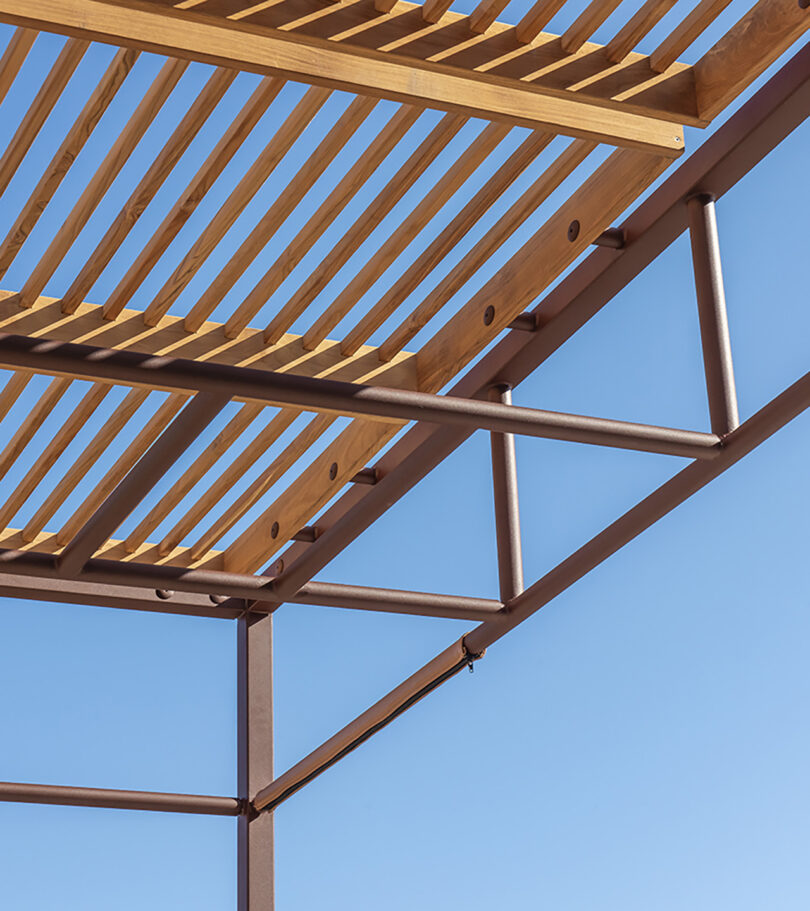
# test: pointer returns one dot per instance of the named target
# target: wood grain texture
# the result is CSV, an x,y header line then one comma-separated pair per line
x,y
154,178
684,34
640,24
335,66
746,51
264,165
302,182
220,156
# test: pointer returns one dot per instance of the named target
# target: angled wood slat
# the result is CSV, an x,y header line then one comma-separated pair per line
x,y
80,468
69,58
14,57
451,182
485,14
230,143
640,24
318,61
447,239
201,464
234,205
32,423
315,429
330,208
13,389
688,31
587,23
66,154
303,181
200,110
55,448
562,167
231,476
433,10
102,179
537,18
358,233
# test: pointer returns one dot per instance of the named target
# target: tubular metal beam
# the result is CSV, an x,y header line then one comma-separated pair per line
x,y
255,757
312,393
741,441
15,792
711,298
507,509
159,458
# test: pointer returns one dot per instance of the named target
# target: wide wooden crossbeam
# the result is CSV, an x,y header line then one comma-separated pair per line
x,y
316,61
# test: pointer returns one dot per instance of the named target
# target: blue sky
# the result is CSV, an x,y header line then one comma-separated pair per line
x,y
640,743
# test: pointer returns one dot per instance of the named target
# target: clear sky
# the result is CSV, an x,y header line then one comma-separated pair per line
x,y
641,743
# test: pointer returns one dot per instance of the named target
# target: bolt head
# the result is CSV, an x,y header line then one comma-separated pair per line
x,y
333,470
573,230
489,315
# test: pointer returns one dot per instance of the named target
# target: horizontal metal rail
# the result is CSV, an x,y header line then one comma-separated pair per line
x,y
118,575
15,792
740,442
315,394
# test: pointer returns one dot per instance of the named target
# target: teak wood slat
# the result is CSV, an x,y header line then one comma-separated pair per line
x,y
171,153
485,14
445,242
684,34
14,57
320,62
537,18
306,176
374,213
560,169
267,161
587,23
639,25
351,184
216,162
64,157
433,10
118,155
464,166
14,388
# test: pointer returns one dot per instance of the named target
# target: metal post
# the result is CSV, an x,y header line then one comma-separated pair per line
x,y
255,758
711,300
507,511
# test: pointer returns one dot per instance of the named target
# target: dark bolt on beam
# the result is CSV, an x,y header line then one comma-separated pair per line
x,y
319,395
15,792
711,299
150,468
507,511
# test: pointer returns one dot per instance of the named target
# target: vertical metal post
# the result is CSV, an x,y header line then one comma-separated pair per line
x,y
507,512
711,300
255,758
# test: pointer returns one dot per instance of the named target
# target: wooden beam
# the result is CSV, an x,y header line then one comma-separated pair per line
x,y
312,60
746,51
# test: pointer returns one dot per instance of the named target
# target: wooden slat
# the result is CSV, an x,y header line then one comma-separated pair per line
x,y
66,154
201,464
102,179
13,58
87,325
446,240
485,14
42,105
322,62
84,463
235,204
485,143
587,23
55,448
746,51
313,431
161,419
174,148
433,10
300,245
303,181
13,389
537,18
689,30
201,183
31,423
541,189
385,200
228,479
639,25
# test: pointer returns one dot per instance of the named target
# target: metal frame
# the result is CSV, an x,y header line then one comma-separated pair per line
x,y
685,200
